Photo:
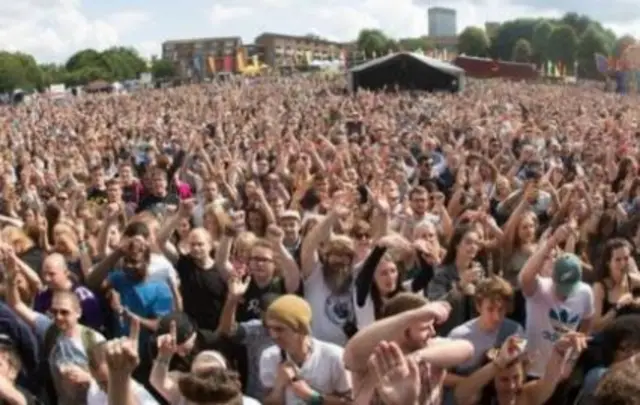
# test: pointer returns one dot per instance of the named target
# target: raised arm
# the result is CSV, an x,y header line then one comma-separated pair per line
x,y
164,234
318,234
565,352
122,358
100,271
528,276
361,346
287,264
160,378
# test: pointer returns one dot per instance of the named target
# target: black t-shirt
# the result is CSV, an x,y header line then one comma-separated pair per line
x,y
97,195
203,292
205,340
250,307
157,205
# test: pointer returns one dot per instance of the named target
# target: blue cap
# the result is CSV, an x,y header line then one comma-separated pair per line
x,y
567,273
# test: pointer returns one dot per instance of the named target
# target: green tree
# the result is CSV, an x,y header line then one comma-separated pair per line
x,y
83,59
592,41
12,73
414,44
522,51
473,41
116,63
87,75
163,69
622,43
540,41
373,41
563,45
578,22
509,33
52,73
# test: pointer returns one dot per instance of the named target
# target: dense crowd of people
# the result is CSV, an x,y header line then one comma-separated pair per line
x,y
280,242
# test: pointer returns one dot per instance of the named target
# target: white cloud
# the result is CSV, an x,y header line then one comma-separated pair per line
x,y
220,13
54,29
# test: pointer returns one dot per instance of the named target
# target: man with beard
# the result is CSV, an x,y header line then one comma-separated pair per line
x,y
132,295
328,281
409,323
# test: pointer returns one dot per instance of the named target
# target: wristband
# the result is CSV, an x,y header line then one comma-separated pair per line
x,y
316,399
162,362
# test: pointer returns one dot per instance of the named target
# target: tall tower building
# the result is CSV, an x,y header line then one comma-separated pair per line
x,y
442,22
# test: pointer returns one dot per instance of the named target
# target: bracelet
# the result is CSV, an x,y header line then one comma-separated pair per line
x,y
162,362
316,399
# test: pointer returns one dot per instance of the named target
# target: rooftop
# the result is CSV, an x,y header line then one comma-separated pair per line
x,y
192,40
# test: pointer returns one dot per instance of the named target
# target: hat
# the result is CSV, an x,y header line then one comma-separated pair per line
x,y
567,273
290,214
292,311
184,326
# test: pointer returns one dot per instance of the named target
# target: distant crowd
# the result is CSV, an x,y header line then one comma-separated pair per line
x,y
280,242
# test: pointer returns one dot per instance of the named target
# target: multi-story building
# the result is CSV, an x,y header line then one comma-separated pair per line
x,y
203,57
442,22
287,50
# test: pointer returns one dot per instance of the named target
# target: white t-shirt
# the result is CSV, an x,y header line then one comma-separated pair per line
x,y
95,396
330,312
323,370
548,318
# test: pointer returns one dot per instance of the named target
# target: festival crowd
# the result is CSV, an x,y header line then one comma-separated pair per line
x,y
282,243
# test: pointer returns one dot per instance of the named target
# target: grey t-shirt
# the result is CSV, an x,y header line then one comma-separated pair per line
x,y
482,341
67,350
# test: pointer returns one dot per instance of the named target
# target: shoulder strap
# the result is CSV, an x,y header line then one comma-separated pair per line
x,y
88,337
50,337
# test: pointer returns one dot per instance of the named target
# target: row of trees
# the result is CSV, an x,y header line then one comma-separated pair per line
x,y
21,71
570,39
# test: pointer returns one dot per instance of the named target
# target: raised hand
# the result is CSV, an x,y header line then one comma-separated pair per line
x,y
167,343
398,378
122,353
238,287
186,208
511,349
275,234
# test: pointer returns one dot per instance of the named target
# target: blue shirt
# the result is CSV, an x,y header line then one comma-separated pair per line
x,y
150,299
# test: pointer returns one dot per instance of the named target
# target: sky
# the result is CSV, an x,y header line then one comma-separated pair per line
x,y
52,30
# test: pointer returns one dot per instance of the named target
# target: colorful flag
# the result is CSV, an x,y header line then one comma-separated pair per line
x,y
212,64
602,64
240,64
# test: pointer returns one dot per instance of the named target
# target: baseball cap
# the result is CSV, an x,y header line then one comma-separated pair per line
x,y
184,326
290,214
567,273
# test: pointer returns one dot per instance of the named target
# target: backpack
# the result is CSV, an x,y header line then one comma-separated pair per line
x,y
87,336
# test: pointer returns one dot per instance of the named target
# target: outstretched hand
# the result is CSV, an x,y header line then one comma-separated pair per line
x,y
397,377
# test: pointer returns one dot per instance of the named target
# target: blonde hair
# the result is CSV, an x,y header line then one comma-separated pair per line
x,y
17,238
244,241
220,219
